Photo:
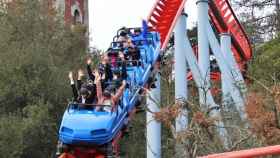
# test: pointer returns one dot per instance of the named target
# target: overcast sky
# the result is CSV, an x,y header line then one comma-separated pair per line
x,y
110,15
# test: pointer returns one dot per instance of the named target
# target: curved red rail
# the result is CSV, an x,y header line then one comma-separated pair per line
x,y
250,153
225,21
163,18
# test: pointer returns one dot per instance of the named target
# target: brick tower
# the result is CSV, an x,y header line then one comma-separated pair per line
x,y
75,11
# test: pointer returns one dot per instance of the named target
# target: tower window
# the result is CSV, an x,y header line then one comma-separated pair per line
x,y
77,17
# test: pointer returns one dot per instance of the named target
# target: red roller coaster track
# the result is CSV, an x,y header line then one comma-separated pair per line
x,y
225,21
163,18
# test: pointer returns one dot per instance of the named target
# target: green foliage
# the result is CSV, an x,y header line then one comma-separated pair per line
x,y
36,52
28,134
39,131
134,144
11,140
266,65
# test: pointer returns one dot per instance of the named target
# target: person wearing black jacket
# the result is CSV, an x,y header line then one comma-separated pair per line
x,y
123,65
133,55
89,71
120,73
105,71
81,93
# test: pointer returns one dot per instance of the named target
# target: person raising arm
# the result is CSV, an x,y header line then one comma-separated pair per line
x,y
109,97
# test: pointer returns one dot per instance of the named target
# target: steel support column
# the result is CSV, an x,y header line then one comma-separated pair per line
x,y
153,126
225,39
226,49
225,69
180,71
199,80
203,52
181,81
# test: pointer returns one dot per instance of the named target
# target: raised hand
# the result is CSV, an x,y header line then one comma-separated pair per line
x,y
103,59
89,61
80,74
70,76
121,55
97,76
123,82
106,58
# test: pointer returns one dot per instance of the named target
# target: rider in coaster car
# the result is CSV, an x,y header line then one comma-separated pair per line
x,y
85,95
138,38
113,57
133,55
90,82
128,44
123,37
91,76
137,32
109,97
120,73
105,70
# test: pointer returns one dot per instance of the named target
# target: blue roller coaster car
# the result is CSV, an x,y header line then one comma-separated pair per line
x,y
86,126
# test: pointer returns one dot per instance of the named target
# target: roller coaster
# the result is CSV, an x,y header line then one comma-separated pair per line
x,y
88,133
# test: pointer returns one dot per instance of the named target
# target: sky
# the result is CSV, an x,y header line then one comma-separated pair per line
x,y
110,15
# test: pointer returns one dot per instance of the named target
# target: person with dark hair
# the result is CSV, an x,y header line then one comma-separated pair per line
x,y
110,96
123,74
89,85
113,57
128,44
137,32
123,36
107,75
119,73
80,93
105,70
133,55
91,76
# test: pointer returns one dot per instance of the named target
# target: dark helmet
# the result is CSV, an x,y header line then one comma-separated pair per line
x,y
117,82
101,68
84,91
130,48
89,82
116,72
123,33
108,90
89,85
137,30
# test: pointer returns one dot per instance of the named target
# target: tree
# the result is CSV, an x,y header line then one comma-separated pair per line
x,y
37,50
260,18
265,67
